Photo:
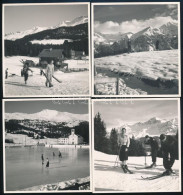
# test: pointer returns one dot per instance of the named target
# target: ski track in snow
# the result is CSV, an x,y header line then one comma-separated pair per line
x,y
106,177
75,83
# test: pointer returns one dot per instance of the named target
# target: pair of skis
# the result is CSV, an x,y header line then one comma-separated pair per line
x,y
48,79
158,176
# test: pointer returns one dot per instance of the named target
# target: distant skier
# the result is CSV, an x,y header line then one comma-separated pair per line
x,y
47,163
123,143
6,73
49,73
154,148
169,149
53,153
42,158
60,154
26,70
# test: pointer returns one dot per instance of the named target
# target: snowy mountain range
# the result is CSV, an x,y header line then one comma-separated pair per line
x,y
50,115
20,34
165,38
153,127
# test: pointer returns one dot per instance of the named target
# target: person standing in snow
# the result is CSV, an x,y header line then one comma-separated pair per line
x,y
6,73
123,143
49,73
26,70
154,148
169,148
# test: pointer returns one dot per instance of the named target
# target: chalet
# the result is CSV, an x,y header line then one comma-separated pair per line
x,y
57,55
77,54
73,139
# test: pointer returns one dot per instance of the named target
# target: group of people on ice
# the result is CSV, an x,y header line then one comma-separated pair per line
x,y
169,145
47,160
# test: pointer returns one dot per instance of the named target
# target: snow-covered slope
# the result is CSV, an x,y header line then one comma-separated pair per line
x,y
76,21
49,115
108,177
99,38
18,35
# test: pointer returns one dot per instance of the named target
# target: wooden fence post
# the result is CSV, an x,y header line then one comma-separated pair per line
x,y
117,86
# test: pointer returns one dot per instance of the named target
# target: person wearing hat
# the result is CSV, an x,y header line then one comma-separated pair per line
x,y
123,143
49,73
169,148
154,148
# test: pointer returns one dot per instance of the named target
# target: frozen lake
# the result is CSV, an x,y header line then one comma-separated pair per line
x,y
24,166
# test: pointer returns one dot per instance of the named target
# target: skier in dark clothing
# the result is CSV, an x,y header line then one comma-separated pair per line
x,y
26,70
169,149
154,148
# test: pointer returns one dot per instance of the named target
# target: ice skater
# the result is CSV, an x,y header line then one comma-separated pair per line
x,y
169,148
60,154
154,149
42,158
47,163
49,73
123,143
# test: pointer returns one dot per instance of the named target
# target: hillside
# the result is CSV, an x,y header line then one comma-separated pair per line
x,y
47,124
61,37
153,72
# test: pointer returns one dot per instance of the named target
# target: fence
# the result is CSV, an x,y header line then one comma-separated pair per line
x,y
106,85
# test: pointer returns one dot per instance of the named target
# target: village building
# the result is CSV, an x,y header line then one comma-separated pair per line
x,y
77,54
73,139
57,55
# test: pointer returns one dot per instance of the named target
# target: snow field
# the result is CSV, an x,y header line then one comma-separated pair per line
x,y
74,83
106,177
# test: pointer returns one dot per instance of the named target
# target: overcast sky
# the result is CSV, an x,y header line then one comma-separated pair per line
x,y
132,18
72,106
25,17
117,113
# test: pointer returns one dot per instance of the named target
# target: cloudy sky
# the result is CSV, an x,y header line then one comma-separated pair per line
x,y
72,106
111,19
118,113
25,17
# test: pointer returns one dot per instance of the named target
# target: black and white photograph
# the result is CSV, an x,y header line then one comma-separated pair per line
x,y
46,50
47,145
136,49
136,145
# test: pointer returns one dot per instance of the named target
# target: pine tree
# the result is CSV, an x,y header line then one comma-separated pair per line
x,y
100,140
113,141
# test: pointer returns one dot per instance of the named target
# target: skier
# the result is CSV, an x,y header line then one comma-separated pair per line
x,y
47,163
154,148
42,158
49,73
53,153
169,148
123,143
26,70
6,73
